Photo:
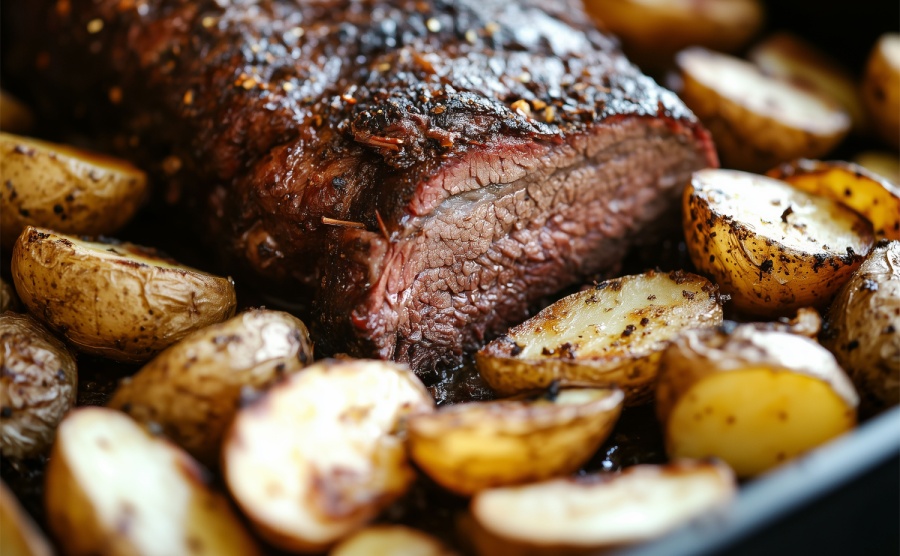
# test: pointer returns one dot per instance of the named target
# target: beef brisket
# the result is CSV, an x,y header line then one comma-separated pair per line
x,y
425,170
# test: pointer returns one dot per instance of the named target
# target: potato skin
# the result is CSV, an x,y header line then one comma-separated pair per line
x,y
64,188
19,536
112,305
881,88
862,329
193,388
38,386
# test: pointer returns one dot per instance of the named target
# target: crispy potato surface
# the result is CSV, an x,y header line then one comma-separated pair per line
x,y
38,386
117,300
112,488
67,189
772,247
19,536
321,453
473,446
881,88
609,335
390,540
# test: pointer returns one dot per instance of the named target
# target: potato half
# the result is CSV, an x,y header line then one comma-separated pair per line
x,y
863,327
38,386
67,189
193,388
881,87
469,447
753,398
584,514
756,120
14,115
19,536
772,247
882,163
390,540
117,300
609,335
849,184
112,488
320,455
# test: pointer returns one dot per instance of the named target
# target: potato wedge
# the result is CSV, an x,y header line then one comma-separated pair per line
x,y
849,184
390,540
469,447
884,164
753,398
9,301
192,389
610,335
757,121
38,386
67,189
863,327
112,488
584,514
772,247
787,56
652,31
117,300
19,536
320,455
881,87
15,117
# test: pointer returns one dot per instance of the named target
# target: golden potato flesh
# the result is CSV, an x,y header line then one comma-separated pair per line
x,y
390,540
753,398
193,388
67,189
112,488
609,335
19,536
38,386
117,300
863,327
15,117
882,163
320,455
851,185
562,516
881,88
473,446
756,120
772,247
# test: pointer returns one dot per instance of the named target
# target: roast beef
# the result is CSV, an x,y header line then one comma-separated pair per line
x,y
424,170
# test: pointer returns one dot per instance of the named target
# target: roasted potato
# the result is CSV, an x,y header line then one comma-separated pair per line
x,y
193,388
469,447
609,335
653,31
582,515
884,164
849,184
757,121
112,488
15,117
881,87
390,540
772,247
787,56
320,454
67,189
751,397
117,300
38,386
19,536
9,301
863,327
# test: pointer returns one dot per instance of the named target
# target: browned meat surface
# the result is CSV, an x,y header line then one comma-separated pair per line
x,y
482,154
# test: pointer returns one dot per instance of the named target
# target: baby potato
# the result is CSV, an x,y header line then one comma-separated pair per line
x,y
192,389
321,453
881,87
609,335
585,514
753,398
849,184
19,536
772,247
469,447
756,120
863,327
112,488
390,540
117,300
15,117
9,301
882,163
38,386
67,189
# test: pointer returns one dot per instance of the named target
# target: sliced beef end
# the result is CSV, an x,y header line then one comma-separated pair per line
x,y
481,260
